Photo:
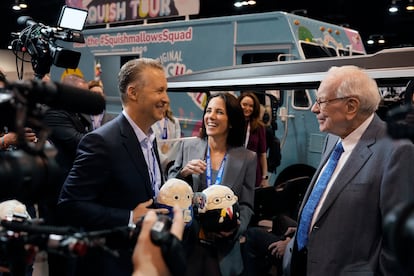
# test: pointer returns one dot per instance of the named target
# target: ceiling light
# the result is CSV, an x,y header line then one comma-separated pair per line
x,y
410,6
393,8
239,4
19,5
376,39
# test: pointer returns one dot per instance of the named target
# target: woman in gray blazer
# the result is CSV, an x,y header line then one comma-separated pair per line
x,y
217,157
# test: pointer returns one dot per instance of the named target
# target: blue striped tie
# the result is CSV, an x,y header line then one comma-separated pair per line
x,y
315,196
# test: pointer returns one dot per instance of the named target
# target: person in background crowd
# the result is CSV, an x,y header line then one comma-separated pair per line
x,y
274,156
264,248
116,173
218,157
255,135
340,221
166,129
9,140
67,129
100,119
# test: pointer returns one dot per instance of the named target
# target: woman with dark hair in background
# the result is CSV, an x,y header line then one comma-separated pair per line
x,y
255,138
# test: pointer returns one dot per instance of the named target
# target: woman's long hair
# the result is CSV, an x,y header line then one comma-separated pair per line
x,y
255,121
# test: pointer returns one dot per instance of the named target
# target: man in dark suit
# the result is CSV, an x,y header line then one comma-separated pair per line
x,y
373,174
67,129
116,173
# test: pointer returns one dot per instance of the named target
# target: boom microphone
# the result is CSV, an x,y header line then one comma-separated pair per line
x,y
60,96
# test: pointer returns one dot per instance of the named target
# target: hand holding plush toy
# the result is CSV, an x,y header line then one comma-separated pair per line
x,y
176,192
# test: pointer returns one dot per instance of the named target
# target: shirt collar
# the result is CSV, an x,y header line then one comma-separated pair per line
x,y
142,137
350,141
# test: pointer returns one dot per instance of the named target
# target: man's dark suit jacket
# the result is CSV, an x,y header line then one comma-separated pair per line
x,y
109,178
67,129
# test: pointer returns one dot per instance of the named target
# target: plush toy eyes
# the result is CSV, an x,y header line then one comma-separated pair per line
x,y
176,197
217,200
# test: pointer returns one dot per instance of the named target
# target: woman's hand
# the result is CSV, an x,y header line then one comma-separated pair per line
x,y
195,166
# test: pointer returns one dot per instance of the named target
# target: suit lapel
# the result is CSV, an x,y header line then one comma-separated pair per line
x,y
133,148
157,155
86,118
233,167
359,156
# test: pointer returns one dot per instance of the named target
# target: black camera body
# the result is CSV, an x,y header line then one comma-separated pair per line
x,y
399,234
399,222
39,41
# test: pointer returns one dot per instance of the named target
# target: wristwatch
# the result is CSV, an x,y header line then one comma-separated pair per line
x,y
265,177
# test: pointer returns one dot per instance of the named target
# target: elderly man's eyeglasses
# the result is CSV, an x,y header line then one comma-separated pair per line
x,y
319,101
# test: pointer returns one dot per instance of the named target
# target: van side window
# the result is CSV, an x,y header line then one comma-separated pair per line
x,y
301,99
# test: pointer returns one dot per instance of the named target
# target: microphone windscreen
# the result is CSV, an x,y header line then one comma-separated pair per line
x,y
74,99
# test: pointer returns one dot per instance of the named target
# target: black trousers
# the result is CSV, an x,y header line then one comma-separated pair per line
x,y
257,259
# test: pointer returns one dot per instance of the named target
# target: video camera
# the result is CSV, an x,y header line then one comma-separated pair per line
x,y
39,40
20,239
24,173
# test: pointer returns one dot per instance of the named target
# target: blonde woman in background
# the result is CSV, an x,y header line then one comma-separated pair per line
x,y
167,130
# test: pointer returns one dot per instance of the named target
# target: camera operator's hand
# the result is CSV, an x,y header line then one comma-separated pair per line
x,y
147,257
142,209
11,139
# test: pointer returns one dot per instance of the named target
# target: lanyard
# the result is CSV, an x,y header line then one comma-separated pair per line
x,y
247,135
152,166
164,130
220,172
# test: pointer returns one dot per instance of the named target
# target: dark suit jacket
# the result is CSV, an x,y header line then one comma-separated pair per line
x,y
67,129
109,178
239,174
347,238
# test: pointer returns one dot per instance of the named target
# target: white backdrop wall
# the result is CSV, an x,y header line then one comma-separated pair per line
x,y
8,66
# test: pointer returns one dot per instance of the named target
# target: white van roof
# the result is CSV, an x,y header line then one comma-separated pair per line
x,y
393,67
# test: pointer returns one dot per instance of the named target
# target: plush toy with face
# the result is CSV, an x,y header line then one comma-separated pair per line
x,y
221,209
176,192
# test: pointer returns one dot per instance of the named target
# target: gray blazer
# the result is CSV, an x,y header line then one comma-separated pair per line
x,y
347,238
239,175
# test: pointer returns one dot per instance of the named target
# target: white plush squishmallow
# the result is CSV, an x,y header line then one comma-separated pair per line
x,y
176,192
221,211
